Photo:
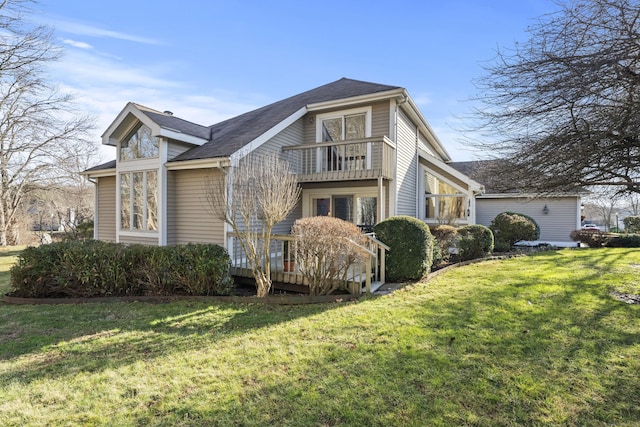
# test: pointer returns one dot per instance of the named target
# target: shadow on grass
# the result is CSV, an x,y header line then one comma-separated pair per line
x,y
62,340
532,352
10,252
469,350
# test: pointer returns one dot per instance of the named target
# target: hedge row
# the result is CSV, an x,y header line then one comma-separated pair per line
x,y
415,246
91,268
598,239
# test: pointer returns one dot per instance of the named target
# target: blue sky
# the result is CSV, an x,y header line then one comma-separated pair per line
x,y
210,60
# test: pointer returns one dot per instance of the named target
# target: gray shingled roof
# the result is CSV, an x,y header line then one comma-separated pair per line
x,y
171,122
109,165
229,136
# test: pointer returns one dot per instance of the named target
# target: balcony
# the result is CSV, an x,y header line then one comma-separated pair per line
x,y
361,159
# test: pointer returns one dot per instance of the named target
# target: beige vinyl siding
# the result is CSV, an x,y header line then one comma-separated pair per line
x,y
188,215
406,167
150,241
292,135
380,119
175,148
563,216
106,208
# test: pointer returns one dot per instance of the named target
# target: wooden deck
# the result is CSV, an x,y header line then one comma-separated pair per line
x,y
285,274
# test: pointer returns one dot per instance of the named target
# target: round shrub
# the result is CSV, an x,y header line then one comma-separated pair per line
x,y
474,241
411,243
326,248
444,238
510,228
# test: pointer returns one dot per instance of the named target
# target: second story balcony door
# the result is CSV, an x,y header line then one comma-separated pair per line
x,y
344,157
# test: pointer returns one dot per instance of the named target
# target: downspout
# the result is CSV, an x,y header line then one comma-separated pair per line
x,y
95,206
417,174
395,163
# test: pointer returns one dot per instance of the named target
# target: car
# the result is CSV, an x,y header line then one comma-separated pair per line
x,y
590,227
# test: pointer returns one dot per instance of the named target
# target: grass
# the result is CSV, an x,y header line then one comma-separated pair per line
x,y
532,340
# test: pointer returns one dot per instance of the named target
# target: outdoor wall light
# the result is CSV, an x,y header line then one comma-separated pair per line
x,y
545,210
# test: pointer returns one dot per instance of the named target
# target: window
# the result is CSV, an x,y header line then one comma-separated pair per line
x,y
139,200
443,201
362,211
344,126
140,144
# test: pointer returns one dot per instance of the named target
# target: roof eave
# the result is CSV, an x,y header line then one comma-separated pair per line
x,y
371,97
266,136
214,162
474,186
156,129
100,173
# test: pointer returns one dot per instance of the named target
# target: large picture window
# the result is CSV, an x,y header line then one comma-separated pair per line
x,y
139,200
443,201
140,144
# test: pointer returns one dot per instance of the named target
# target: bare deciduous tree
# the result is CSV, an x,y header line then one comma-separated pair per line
x,y
604,204
39,130
256,194
562,110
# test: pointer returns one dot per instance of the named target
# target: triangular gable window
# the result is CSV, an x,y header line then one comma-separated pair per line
x,y
139,144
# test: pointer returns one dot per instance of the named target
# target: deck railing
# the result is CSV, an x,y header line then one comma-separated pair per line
x,y
284,267
342,160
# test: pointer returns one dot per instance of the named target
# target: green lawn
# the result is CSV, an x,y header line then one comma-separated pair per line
x,y
532,340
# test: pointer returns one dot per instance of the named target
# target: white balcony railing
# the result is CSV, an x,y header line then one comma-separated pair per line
x,y
365,276
342,160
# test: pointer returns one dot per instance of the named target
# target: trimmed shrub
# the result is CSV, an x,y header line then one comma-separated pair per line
x,y
631,224
444,238
474,241
326,248
510,228
592,238
411,243
624,241
92,268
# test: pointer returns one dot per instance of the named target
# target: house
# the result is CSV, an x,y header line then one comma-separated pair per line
x,y
556,214
362,152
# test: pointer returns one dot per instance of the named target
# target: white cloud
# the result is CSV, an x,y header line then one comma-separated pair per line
x,y
103,85
91,30
74,43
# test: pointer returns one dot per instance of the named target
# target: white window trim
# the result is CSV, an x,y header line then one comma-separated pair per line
x,y
309,195
138,165
129,135
341,114
132,231
464,193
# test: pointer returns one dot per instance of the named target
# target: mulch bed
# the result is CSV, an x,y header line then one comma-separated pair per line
x,y
628,298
